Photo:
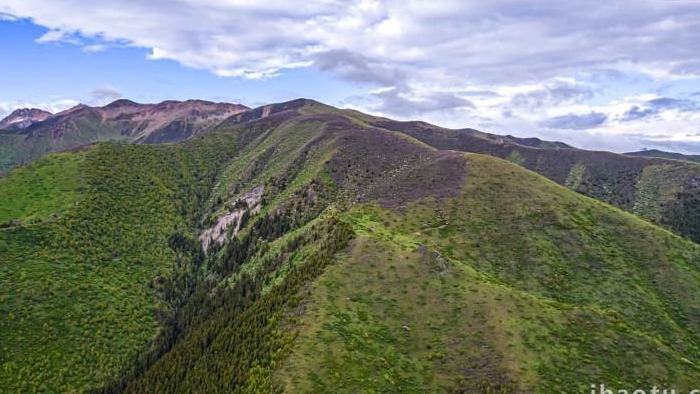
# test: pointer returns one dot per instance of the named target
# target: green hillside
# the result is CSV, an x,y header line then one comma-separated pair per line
x,y
359,260
85,233
41,189
664,191
22,148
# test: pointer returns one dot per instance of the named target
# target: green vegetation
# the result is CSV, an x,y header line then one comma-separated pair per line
x,y
520,282
45,187
236,343
82,131
611,178
658,185
375,263
75,305
9,150
515,157
384,319
575,177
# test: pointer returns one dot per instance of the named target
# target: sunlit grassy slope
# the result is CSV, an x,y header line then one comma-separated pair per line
x,y
45,187
517,283
666,192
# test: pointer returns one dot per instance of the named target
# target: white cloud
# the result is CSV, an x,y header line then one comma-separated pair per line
x,y
104,95
94,48
52,106
503,40
52,36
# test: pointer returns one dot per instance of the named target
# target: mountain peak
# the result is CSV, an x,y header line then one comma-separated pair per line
x,y
121,103
23,118
74,108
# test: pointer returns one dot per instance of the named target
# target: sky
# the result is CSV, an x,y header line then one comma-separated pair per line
x,y
610,75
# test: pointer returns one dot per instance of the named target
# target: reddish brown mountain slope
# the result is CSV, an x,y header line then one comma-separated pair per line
x,y
122,120
23,118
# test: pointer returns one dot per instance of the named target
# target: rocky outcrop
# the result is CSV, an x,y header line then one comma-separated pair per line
x,y
245,205
23,118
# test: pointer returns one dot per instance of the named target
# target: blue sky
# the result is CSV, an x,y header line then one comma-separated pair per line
x,y
616,75
51,72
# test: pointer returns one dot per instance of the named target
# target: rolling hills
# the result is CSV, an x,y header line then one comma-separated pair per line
x,y
358,254
664,154
661,187
661,190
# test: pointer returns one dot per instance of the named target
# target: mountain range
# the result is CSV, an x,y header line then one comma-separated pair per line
x,y
662,187
665,155
23,118
27,134
297,247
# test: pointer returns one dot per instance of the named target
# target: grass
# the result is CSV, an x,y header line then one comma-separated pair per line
x,y
556,289
575,177
619,180
516,157
506,282
384,320
271,152
45,187
658,185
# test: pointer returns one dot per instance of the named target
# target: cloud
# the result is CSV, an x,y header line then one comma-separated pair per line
x,y
656,106
104,95
479,93
636,113
53,106
576,121
447,39
523,64
672,103
52,36
359,68
403,102
552,94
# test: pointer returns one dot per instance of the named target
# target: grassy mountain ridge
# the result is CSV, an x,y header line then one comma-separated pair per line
x,y
665,155
664,191
541,245
375,262
628,181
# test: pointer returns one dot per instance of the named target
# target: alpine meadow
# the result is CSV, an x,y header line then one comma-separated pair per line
x,y
362,240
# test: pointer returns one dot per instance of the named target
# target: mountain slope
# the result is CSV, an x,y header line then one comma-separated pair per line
x,y
665,155
23,118
83,236
354,258
122,120
504,242
664,191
